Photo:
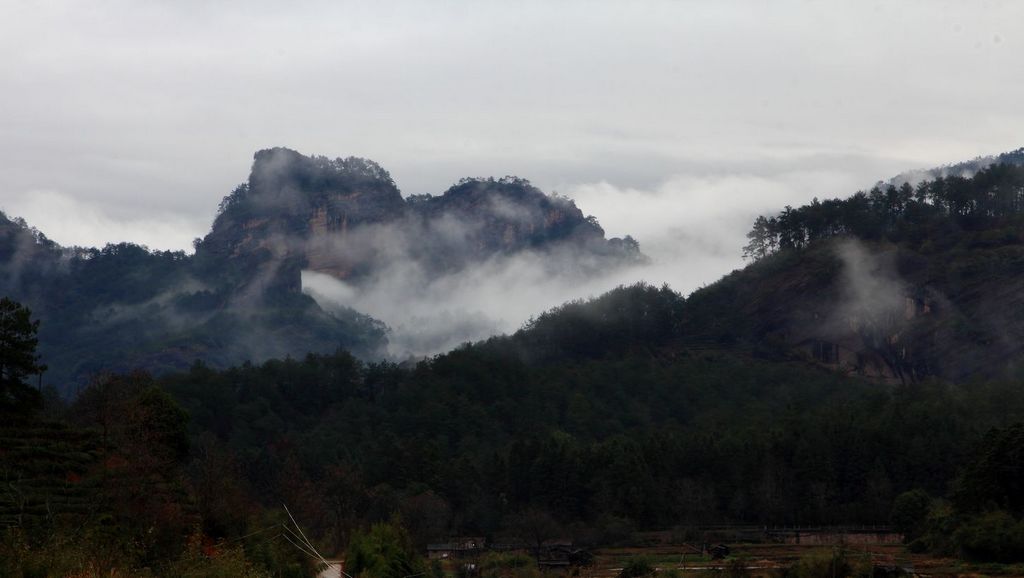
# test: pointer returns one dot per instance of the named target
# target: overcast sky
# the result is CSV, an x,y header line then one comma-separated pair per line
x,y
672,121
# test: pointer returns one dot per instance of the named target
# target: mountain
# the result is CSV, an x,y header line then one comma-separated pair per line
x,y
855,364
346,218
240,296
960,169
862,369
124,307
901,284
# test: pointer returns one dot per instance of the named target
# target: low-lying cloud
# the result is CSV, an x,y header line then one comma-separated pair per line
x,y
72,222
429,315
873,298
692,228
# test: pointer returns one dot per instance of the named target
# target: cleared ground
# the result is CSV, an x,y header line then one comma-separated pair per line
x,y
767,559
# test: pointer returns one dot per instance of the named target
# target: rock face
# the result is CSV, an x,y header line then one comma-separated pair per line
x,y
240,296
952,310
291,198
346,218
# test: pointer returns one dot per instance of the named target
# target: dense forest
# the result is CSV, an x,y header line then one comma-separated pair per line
x,y
638,410
995,194
240,295
622,430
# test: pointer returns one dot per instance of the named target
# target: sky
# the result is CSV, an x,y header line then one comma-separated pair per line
x,y
675,122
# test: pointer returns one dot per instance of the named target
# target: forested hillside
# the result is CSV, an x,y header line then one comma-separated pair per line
x,y
899,284
991,199
625,427
647,435
863,369
240,296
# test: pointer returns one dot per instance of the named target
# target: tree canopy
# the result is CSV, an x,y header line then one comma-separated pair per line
x,y
18,357
995,193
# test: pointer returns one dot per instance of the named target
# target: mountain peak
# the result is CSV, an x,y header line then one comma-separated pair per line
x,y
240,296
345,217
278,170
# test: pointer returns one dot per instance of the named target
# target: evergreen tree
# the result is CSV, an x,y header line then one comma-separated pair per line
x,y
18,358
383,552
761,239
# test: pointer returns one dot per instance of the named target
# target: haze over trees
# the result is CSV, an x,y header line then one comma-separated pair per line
x,y
240,296
993,195
640,409
601,440
18,359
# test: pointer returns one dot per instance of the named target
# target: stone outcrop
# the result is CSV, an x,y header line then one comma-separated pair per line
x,y
239,298
347,218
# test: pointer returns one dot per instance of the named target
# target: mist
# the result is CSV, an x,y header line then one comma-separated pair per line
x,y
429,313
428,316
692,229
873,296
105,104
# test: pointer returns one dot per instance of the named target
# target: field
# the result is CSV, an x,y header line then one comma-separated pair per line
x,y
670,554
767,559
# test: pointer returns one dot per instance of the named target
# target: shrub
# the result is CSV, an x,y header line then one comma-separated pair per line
x,y
637,567
991,537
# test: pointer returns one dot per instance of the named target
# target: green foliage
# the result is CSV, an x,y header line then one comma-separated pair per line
x,y
478,435
940,526
139,491
984,521
995,477
994,536
736,567
533,527
91,555
596,419
635,316
49,474
22,556
132,413
991,197
910,513
382,552
831,563
163,425
637,567
221,562
18,358
507,565
125,307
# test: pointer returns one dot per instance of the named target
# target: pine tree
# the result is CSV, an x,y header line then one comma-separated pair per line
x,y
761,240
18,358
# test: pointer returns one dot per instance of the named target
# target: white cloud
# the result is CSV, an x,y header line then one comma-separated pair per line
x,y
673,121
70,221
694,227
152,106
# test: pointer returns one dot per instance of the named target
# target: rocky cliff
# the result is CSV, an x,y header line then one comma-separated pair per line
x,y
346,218
948,307
240,296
